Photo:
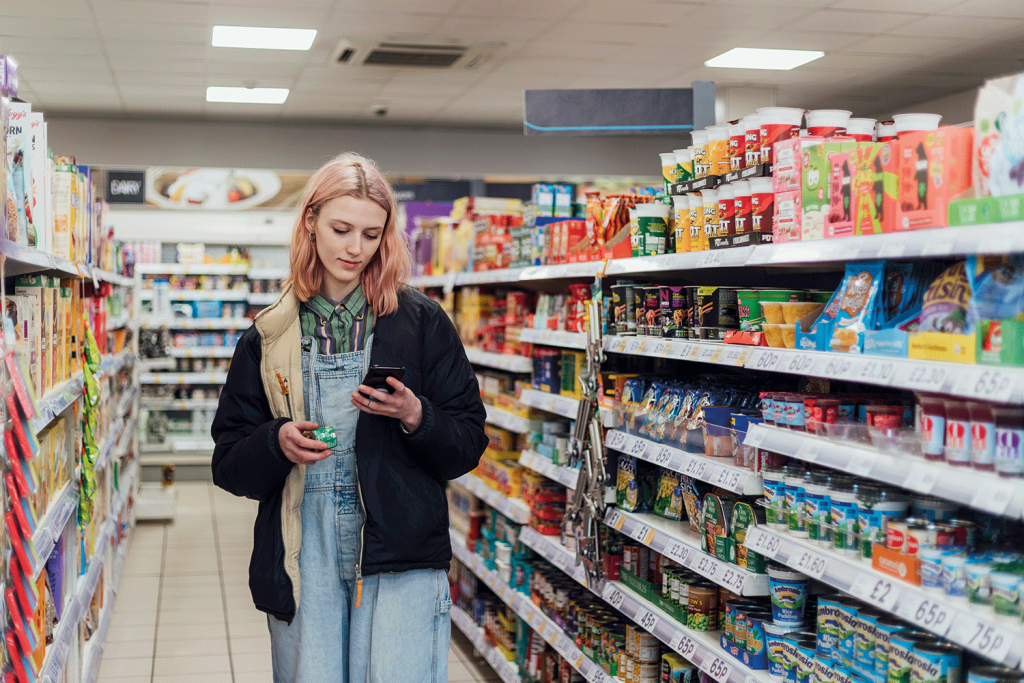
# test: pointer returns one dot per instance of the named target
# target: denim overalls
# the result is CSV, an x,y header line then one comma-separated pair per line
x,y
401,630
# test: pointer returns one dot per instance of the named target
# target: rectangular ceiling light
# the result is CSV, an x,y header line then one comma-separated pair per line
x,y
758,58
259,38
216,93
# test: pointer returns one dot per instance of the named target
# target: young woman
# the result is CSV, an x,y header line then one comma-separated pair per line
x,y
351,542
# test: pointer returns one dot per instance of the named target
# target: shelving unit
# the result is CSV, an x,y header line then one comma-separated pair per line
x,y
552,403
191,269
566,340
979,632
985,491
505,669
566,476
200,295
718,471
530,613
499,361
174,378
204,352
510,421
680,544
150,322
513,508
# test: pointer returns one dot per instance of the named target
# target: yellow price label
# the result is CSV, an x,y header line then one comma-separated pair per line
x,y
648,537
579,662
717,355
643,346
619,521
694,350
622,345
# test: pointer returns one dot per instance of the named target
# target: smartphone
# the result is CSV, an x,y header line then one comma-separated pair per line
x,y
377,377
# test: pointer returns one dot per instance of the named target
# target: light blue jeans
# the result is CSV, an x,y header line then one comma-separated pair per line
x,y
402,628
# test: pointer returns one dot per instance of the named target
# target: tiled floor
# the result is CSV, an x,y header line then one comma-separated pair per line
x,y
183,610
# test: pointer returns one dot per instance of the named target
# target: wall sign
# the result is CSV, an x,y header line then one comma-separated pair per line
x,y
126,187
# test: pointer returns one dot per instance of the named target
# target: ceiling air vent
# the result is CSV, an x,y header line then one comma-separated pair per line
x,y
415,55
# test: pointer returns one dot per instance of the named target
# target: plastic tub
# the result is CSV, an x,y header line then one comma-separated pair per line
x,y
913,123
668,167
795,310
789,593
742,207
885,131
897,441
737,146
772,311
684,164
752,138
844,430
718,150
777,124
827,123
861,130
700,153
773,335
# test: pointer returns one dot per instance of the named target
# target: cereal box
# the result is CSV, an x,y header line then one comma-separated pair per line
x,y
876,186
934,169
842,208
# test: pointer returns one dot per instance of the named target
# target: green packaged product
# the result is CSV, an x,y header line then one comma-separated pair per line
x,y
669,501
327,435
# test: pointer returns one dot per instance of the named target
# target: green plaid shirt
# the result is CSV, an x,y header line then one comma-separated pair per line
x,y
339,327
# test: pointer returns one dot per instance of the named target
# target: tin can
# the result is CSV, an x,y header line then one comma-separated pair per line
x,y
805,658
944,536
993,674
648,649
901,651
652,313
843,652
624,306
865,639
735,613
702,607
965,534
920,535
693,300
671,301
829,628
885,626
936,663
756,639
776,658
824,670
650,672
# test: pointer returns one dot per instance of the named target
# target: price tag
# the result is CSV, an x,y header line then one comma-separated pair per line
x,y
938,247
680,350
706,565
733,356
728,478
809,450
633,346
616,440
663,456
755,437
614,597
643,533
733,579
685,646
761,541
809,562
874,371
863,463
994,498
764,360
922,478
990,640
596,676
707,352
717,668
695,468
615,519
932,615
638,447
892,249
660,348
711,259
880,592
835,365
798,364
990,385
622,344
646,619
564,646
922,377
677,551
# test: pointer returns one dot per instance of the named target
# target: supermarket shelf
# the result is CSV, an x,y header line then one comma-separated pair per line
x,y
93,654
676,541
718,258
554,552
718,471
563,271
191,269
568,340
126,401
566,476
127,436
181,443
500,361
118,322
267,273
513,508
486,277
432,280
180,404
204,352
57,401
552,403
106,449
197,323
979,632
530,613
980,490
262,298
175,378
702,648
701,352
199,295
51,526
505,669
511,421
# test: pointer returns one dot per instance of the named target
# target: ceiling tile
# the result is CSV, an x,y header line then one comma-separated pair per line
x,y
470,31
369,25
988,8
283,16
158,78
168,53
862,61
848,20
634,12
806,40
85,89
597,31
47,28
47,9
39,75
556,49
944,26
520,9
116,11
24,44
922,6
174,33
904,45
56,62
702,23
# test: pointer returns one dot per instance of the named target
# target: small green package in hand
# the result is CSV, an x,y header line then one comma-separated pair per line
x,y
327,435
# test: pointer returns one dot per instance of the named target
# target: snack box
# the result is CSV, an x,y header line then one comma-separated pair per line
x,y
563,201
1000,342
934,168
786,224
815,183
543,197
790,161
842,198
876,187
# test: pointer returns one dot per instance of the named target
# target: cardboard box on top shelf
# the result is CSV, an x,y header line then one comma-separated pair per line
x,y
788,219
816,176
563,201
37,344
876,186
842,213
934,169
543,197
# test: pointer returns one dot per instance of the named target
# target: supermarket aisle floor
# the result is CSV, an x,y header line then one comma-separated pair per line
x,y
183,610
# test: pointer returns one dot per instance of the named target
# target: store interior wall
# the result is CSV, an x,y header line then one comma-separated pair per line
x,y
432,152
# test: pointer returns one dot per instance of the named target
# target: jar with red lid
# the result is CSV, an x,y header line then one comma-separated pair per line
x,y
983,436
932,426
884,417
958,433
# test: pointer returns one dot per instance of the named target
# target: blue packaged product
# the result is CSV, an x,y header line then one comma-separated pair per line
x,y
789,594
954,576
936,663
865,638
775,634
775,497
805,659
901,653
885,627
842,654
931,566
828,624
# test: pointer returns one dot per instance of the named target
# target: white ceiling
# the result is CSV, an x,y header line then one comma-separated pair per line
x,y
143,59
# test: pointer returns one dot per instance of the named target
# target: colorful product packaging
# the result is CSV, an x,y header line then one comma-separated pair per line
x,y
877,187
842,197
934,169
816,175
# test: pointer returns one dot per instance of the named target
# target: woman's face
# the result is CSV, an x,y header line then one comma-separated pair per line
x,y
348,232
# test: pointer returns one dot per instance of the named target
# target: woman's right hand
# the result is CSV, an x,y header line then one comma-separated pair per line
x,y
297,448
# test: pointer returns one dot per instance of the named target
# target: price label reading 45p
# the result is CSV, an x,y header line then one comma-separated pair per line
x,y
685,646
879,592
717,668
647,620
988,639
809,562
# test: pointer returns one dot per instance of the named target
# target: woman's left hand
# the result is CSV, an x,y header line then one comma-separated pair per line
x,y
403,404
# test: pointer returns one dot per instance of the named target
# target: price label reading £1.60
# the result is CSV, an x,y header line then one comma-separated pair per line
x,y
809,562
761,541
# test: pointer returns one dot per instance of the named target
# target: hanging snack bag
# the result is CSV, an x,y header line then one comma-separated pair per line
x,y
946,302
855,306
669,501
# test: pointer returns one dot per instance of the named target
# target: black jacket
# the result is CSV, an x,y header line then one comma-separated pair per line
x,y
402,476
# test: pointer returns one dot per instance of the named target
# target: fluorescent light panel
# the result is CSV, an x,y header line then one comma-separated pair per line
x,y
216,93
759,58
259,38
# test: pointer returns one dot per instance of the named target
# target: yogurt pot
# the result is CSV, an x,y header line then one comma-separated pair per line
x,y
742,207
915,123
1006,596
718,150
954,576
817,504
931,567
684,164
788,589
762,205
681,222
777,124
726,210
843,513
701,166
774,636
796,494
827,123
874,508
979,585
885,131
669,170
752,136
861,130
737,146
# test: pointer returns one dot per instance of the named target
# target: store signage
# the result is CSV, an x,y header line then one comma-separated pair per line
x,y
126,187
640,111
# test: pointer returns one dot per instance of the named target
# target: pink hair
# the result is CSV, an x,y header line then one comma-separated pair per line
x,y
351,175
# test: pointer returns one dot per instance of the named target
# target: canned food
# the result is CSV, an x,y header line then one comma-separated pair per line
x,y
776,659
935,663
829,628
717,307
901,651
843,652
993,674
648,649
965,534
865,639
702,607
805,659
885,626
